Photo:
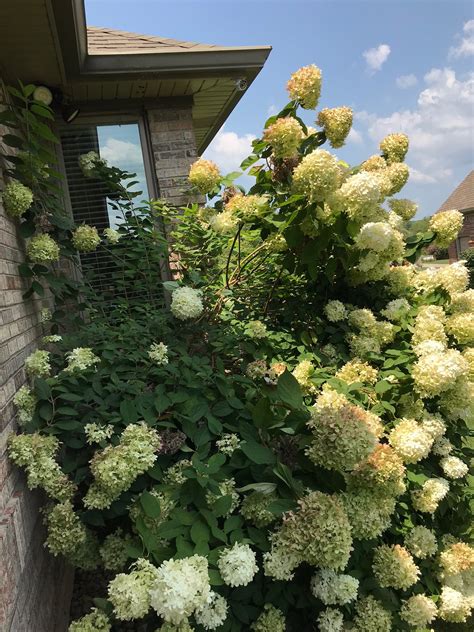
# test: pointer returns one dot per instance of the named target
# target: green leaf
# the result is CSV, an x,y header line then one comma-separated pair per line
x,y
171,286
27,229
382,387
13,141
69,424
281,505
45,132
257,453
222,505
25,270
42,110
289,391
200,532
42,388
37,288
151,504
249,161
128,411
215,578
215,462
262,414
232,523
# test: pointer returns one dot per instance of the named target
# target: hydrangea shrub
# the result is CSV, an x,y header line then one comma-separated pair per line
x,y
285,446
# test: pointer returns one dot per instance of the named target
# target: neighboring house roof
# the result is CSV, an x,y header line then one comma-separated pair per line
x,y
462,198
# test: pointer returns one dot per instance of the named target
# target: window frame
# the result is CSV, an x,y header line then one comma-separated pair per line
x,y
119,117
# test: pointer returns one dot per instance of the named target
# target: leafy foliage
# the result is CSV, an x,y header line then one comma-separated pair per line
x,y
253,372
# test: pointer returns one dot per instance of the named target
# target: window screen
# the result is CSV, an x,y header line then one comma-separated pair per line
x,y
120,145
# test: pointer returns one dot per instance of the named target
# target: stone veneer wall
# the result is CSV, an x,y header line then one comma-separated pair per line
x,y
34,586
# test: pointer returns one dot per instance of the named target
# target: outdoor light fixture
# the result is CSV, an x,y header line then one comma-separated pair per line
x,y
69,112
43,94
54,97
241,84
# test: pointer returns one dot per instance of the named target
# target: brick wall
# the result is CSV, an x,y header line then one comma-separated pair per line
x,y
174,150
34,586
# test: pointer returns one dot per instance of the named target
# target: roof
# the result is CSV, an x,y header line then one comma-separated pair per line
x,y
107,41
48,42
462,198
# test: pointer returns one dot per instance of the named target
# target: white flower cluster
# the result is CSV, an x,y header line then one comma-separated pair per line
x,y
317,175
285,136
95,621
89,163
17,198
454,467
421,542
418,611
186,303
331,620
256,329
181,587
38,364
410,440
396,309
237,565
335,311
158,352
213,613
304,86
80,359
25,401
130,593
204,175
228,443
96,433
333,588
52,338
446,225
112,236
436,372
393,566
430,495
116,467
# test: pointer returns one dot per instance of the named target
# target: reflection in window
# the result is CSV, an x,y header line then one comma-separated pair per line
x,y
120,145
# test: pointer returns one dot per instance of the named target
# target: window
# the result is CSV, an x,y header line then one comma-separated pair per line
x,y
121,143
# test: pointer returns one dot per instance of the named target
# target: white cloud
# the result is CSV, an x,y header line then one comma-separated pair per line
x,y
406,81
465,48
120,152
376,57
272,110
439,127
354,137
228,149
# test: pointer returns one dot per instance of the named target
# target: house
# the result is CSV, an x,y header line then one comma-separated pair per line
x,y
462,199
163,99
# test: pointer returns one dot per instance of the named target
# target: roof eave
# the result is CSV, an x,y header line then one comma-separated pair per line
x,y
232,62
186,63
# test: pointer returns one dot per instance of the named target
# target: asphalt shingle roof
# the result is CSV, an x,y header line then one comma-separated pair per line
x,y
105,41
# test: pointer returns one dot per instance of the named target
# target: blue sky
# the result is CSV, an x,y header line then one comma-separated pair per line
x,y
402,65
